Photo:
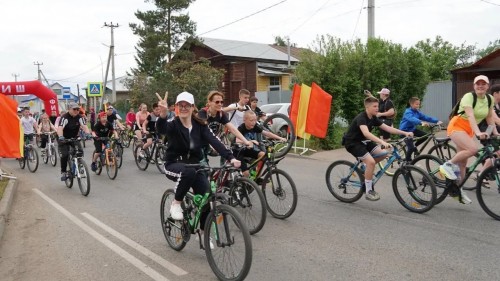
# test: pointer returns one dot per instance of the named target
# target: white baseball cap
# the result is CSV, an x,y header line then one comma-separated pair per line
x,y
384,91
185,96
481,77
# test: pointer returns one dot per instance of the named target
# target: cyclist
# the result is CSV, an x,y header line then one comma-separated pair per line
x,y
130,119
113,118
251,131
140,117
69,127
102,129
186,134
45,127
236,110
215,117
413,117
462,128
362,144
29,125
253,106
149,127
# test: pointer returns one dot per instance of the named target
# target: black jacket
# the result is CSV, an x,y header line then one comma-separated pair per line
x,y
185,147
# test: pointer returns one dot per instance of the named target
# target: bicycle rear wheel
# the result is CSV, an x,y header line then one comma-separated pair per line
x,y
430,164
160,156
142,162
344,183
443,151
247,198
414,189
112,166
84,178
279,124
280,193
231,257
53,156
173,230
488,192
118,151
32,159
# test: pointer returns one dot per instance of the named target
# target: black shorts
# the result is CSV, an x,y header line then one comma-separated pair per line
x,y
386,135
359,149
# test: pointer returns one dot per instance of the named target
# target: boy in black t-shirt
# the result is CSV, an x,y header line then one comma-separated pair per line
x,y
250,131
102,129
358,137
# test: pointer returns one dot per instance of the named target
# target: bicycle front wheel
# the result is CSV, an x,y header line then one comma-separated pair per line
x,y
118,151
280,193
173,230
69,176
395,164
160,156
231,256
141,158
248,199
32,159
343,182
279,124
414,189
22,161
430,164
111,166
488,192
84,178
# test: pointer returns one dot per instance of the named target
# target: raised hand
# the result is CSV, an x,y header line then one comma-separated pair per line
x,y
162,102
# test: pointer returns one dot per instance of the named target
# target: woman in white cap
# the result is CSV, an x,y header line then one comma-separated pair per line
x,y
474,107
186,133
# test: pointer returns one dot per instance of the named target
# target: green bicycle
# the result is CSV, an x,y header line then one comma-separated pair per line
x,y
230,255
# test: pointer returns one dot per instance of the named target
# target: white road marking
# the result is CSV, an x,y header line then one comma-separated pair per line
x,y
124,254
166,264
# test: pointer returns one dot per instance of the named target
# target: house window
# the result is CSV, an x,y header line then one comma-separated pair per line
x,y
274,81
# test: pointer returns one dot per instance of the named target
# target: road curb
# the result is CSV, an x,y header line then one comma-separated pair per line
x,y
6,204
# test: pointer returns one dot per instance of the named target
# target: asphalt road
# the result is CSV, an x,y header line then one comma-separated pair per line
x,y
52,233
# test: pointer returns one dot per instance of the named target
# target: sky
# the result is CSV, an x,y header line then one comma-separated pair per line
x,y
68,36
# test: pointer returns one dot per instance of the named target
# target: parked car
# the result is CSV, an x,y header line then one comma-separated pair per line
x,y
279,125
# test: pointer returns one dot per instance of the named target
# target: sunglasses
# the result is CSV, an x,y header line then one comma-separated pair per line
x,y
75,109
219,102
186,106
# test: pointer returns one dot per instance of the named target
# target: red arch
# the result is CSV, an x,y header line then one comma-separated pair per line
x,y
35,88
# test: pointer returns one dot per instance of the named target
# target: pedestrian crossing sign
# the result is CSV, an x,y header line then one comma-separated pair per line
x,y
94,89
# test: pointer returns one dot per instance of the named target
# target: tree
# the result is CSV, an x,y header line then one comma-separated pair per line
x,y
283,41
160,34
492,46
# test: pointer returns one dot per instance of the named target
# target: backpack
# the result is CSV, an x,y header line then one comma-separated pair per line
x,y
454,111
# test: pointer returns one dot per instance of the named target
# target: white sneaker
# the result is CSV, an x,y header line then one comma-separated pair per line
x,y
176,212
465,199
447,170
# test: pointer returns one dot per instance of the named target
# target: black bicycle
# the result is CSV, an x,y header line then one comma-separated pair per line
x,y
156,153
30,155
77,168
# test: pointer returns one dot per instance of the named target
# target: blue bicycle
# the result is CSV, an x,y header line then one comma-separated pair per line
x,y
412,186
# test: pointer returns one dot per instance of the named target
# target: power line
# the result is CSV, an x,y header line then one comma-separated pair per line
x,y
307,19
245,17
359,16
85,72
490,2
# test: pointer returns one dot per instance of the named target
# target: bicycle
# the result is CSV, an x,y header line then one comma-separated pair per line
x,y
231,256
117,147
83,137
107,158
30,155
155,153
441,147
244,195
278,187
126,136
50,150
347,182
488,197
77,168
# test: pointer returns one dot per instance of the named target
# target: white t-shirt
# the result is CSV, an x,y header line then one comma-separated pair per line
x,y
28,124
237,119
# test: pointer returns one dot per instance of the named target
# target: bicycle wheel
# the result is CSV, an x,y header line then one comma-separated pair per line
x,y
281,125
430,164
118,151
344,183
135,144
231,257
32,159
112,166
22,161
69,177
45,155
280,193
414,189
488,192
396,164
443,151
160,156
142,162
53,156
248,199
174,231
84,178
38,140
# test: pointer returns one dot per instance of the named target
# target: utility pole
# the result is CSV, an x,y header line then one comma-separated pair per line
x,y
371,19
15,75
39,71
112,59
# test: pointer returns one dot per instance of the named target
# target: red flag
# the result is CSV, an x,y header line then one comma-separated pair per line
x,y
10,129
294,106
318,114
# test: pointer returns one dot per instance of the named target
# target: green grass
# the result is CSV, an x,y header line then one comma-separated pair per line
x,y
3,185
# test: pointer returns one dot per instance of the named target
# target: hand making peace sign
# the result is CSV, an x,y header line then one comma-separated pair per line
x,y
162,102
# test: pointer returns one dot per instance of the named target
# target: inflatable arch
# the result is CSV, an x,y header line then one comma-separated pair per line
x,y
34,88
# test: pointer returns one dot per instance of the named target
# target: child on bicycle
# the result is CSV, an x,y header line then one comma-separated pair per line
x,y
413,117
45,127
102,129
362,144
250,130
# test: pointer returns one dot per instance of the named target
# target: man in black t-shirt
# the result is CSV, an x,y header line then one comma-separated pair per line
x,y
362,144
102,129
386,111
69,127
113,119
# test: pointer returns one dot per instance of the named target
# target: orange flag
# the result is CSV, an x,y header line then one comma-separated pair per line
x,y
305,93
318,114
294,106
10,129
